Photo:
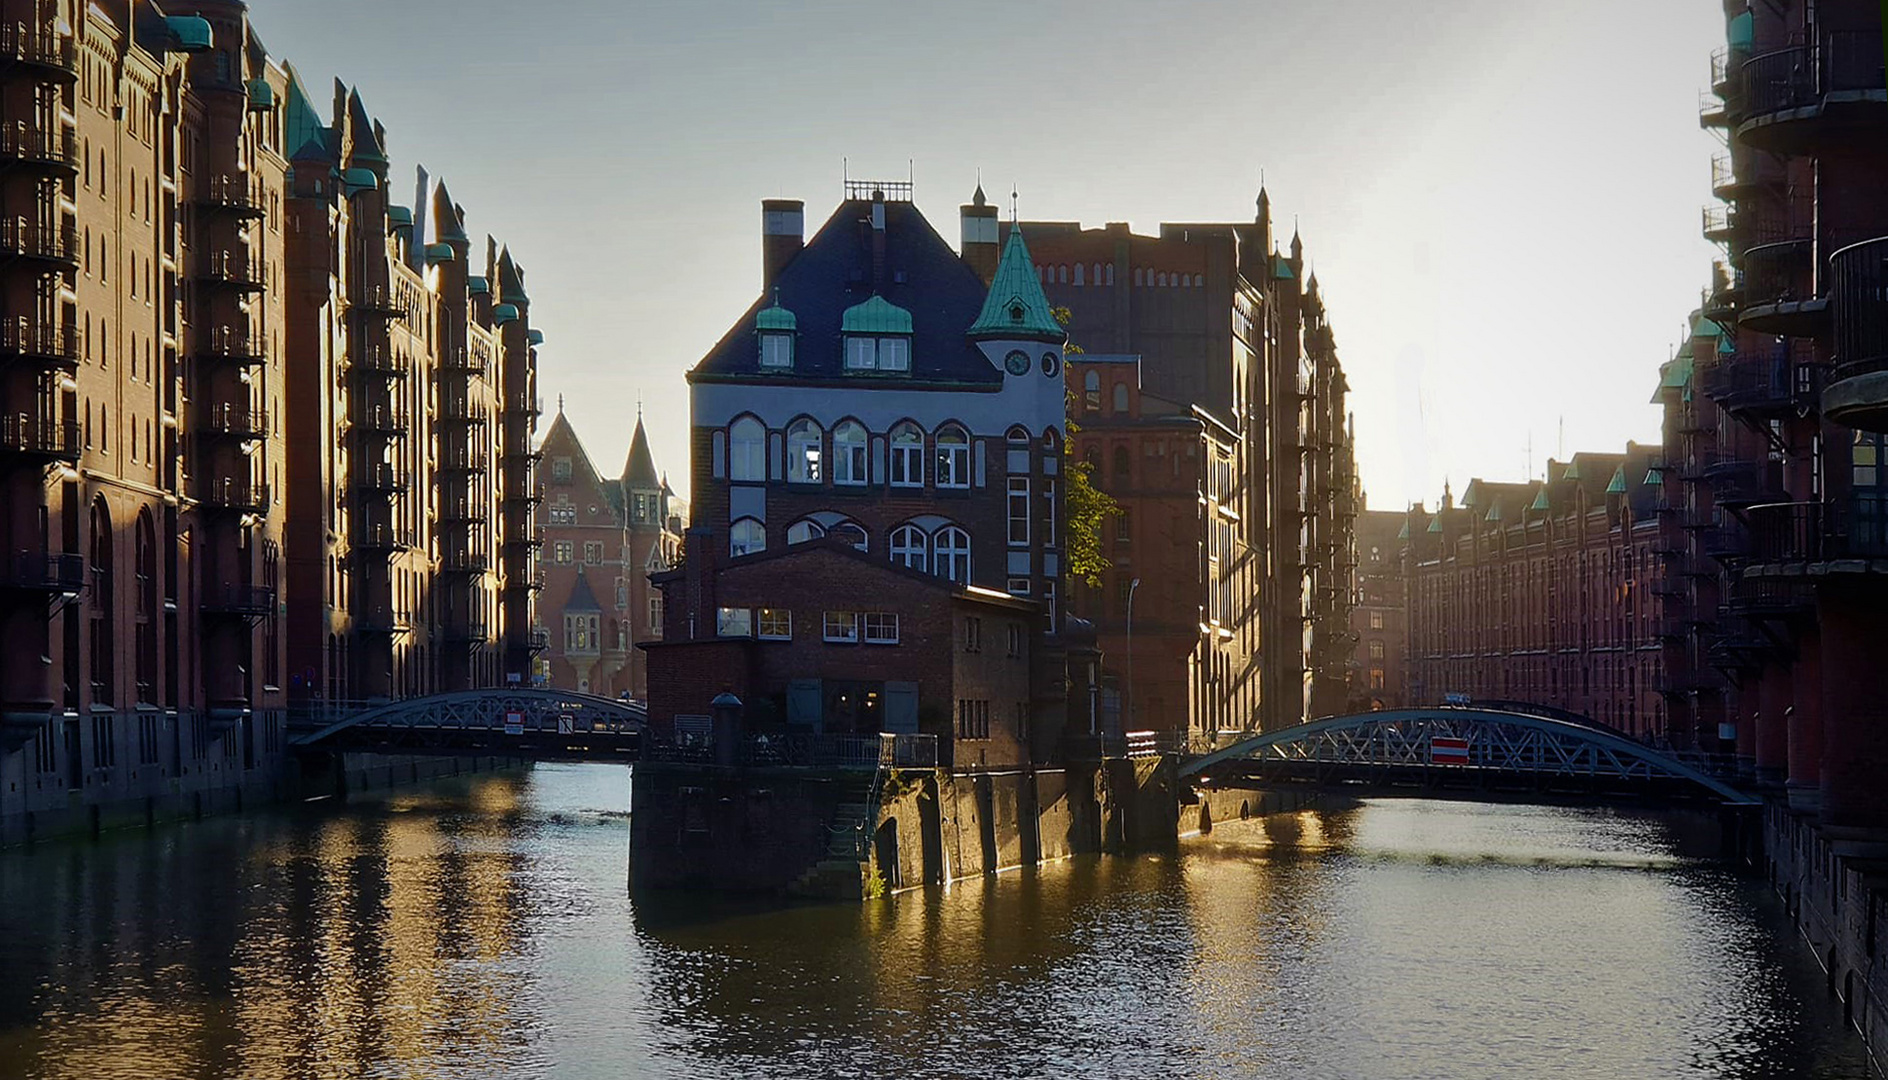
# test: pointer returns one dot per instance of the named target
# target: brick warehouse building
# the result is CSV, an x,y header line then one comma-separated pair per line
x,y
603,538
1380,620
1545,593
1233,329
881,394
152,367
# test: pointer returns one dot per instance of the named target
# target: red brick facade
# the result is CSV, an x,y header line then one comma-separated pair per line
x,y
1380,620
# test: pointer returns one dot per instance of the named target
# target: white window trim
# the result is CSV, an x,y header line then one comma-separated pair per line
x,y
760,624
846,618
865,627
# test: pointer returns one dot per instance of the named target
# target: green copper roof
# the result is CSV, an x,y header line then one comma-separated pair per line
x,y
504,313
400,216
303,132
1541,501
1435,524
1403,534
477,286
1618,485
1494,512
367,148
1740,31
1281,269
440,253
1705,328
1678,372
189,33
1573,470
535,337
779,318
876,316
261,94
1015,306
1654,477
361,179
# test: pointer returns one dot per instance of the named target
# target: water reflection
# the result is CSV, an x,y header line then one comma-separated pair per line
x,y
483,928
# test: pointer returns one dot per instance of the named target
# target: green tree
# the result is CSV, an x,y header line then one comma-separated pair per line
x,y
1086,507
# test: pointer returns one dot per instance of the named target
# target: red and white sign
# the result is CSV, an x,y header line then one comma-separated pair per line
x,y
1445,750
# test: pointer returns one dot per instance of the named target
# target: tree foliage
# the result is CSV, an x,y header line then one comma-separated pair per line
x,y
1086,507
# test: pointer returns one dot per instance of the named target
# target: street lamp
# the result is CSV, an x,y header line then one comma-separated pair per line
x,y
1128,697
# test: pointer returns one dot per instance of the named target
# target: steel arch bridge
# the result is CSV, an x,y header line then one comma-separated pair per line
x,y
1461,751
519,722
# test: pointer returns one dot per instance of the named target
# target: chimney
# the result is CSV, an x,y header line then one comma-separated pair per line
x,y
979,236
782,235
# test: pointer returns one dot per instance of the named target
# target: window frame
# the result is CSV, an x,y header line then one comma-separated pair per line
x,y
851,465
1020,510
847,624
764,616
906,455
776,350
939,554
744,451
955,452
806,452
734,550
866,630
734,622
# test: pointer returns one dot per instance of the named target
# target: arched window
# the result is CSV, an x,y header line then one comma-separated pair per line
x,y
852,533
1163,277
907,444
1120,397
1080,271
1018,436
1110,269
1123,463
805,452
801,531
953,457
1137,275
1062,274
909,547
747,450
1091,391
849,453
747,536
952,547
1050,440
104,602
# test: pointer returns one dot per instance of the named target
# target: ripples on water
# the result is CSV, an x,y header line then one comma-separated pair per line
x,y
482,929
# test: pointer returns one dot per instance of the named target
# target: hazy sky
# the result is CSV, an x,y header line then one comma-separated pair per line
x,y
1500,199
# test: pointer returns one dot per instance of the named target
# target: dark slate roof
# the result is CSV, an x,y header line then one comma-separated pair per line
x,y
446,224
640,470
581,598
834,272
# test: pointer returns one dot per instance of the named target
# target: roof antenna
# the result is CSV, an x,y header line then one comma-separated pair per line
x,y
1012,204
560,403
639,406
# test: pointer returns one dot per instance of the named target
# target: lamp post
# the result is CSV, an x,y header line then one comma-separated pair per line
x,y
1127,703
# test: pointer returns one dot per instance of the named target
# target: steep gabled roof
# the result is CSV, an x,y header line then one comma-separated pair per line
x,y
639,471
1015,306
366,148
581,596
306,137
446,224
833,272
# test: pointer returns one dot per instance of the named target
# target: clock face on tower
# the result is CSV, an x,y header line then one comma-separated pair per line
x,y
1017,362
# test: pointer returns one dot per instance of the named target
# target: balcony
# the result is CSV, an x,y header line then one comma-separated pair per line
x,y
238,421
378,302
471,634
464,562
35,49
228,347
462,363
1811,532
241,601
1798,98
56,246
234,270
1727,542
231,195
32,343
1721,305
38,440
540,639
460,413
1858,396
381,421
380,478
1721,223
1738,482
376,537
1766,385
53,154
55,575
458,513
1771,599
378,363
236,496
1672,628
1779,293
526,404
524,534
460,465
382,623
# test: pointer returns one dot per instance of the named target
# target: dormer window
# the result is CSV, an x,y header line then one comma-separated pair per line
x,y
776,327
877,336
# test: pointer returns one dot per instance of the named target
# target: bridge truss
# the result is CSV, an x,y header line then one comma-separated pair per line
x,y
1457,748
545,724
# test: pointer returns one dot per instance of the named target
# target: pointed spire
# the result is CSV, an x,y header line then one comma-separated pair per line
x,y
1016,306
448,227
366,147
1264,214
639,470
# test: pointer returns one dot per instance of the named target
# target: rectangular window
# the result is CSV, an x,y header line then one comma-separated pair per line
x,y
655,613
973,634
894,354
1048,602
1015,644
1048,513
1376,620
1123,528
734,622
560,468
592,554
1019,511
842,626
1376,678
561,553
881,628
1019,586
908,462
776,624
776,351
1376,650
861,354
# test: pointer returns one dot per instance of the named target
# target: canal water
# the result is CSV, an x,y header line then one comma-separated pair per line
x,y
482,929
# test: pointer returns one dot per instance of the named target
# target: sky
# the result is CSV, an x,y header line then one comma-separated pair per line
x,y
1501,200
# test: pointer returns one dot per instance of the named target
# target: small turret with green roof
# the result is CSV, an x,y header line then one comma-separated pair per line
x,y
1016,308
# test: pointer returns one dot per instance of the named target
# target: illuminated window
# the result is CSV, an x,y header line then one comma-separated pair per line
x,y
804,453
776,624
734,622
841,626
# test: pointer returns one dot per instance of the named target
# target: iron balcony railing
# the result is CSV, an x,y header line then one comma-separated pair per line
x,y
1802,76
54,573
458,512
1771,598
249,601
51,243
1768,382
27,339
380,537
32,146
464,562
233,268
228,346
245,421
458,462
1721,223
379,302
381,420
1859,299
40,437
380,363
36,45
233,194
230,493
379,476
1815,532
460,412
471,633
